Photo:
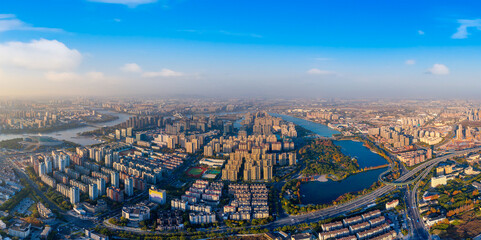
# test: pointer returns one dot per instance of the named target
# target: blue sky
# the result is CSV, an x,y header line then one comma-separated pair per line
x,y
240,48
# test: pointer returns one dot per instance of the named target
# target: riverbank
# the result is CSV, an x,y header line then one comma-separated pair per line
x,y
329,125
44,130
72,135
319,193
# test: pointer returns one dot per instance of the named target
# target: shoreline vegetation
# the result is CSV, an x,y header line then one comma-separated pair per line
x,y
318,169
44,130
68,126
321,156
294,206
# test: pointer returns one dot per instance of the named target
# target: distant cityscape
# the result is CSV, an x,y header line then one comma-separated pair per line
x,y
243,169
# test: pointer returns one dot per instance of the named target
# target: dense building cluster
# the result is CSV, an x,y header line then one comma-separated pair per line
x,y
40,116
72,173
323,114
9,183
250,202
170,220
370,225
414,157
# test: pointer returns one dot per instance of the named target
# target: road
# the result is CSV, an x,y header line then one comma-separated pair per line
x,y
342,209
71,219
365,199
419,230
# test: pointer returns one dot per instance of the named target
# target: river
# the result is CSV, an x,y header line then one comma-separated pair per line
x,y
71,134
316,192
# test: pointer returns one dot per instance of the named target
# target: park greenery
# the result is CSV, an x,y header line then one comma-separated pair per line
x,y
58,199
119,222
48,129
12,144
16,199
321,156
456,194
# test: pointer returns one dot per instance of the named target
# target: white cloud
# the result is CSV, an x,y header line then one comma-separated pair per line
x,y
95,75
163,73
420,32
438,69
410,62
135,68
55,76
39,54
62,76
315,71
462,31
130,3
131,67
3,16
9,22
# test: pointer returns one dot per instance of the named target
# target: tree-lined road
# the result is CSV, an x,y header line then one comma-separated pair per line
x,y
419,229
367,199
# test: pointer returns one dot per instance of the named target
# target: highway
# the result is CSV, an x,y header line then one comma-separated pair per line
x,y
367,199
419,231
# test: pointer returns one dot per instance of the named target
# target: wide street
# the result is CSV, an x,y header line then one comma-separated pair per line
x,y
419,231
69,218
368,198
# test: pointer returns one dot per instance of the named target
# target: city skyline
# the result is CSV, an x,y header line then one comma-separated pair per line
x,y
248,49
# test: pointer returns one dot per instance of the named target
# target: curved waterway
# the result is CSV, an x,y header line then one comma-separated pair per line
x,y
316,192
71,134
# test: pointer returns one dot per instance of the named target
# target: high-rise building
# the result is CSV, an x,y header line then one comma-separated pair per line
x,y
48,165
129,187
101,186
189,147
157,195
62,164
460,132
208,151
115,157
74,195
267,174
115,194
114,179
98,156
140,137
292,158
42,169
93,191
108,160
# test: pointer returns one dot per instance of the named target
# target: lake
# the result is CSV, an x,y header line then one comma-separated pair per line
x,y
316,192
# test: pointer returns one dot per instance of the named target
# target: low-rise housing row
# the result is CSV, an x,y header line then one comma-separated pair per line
x,y
202,217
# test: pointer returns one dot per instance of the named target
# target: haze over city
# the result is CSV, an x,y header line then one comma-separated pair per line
x,y
240,120
250,48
